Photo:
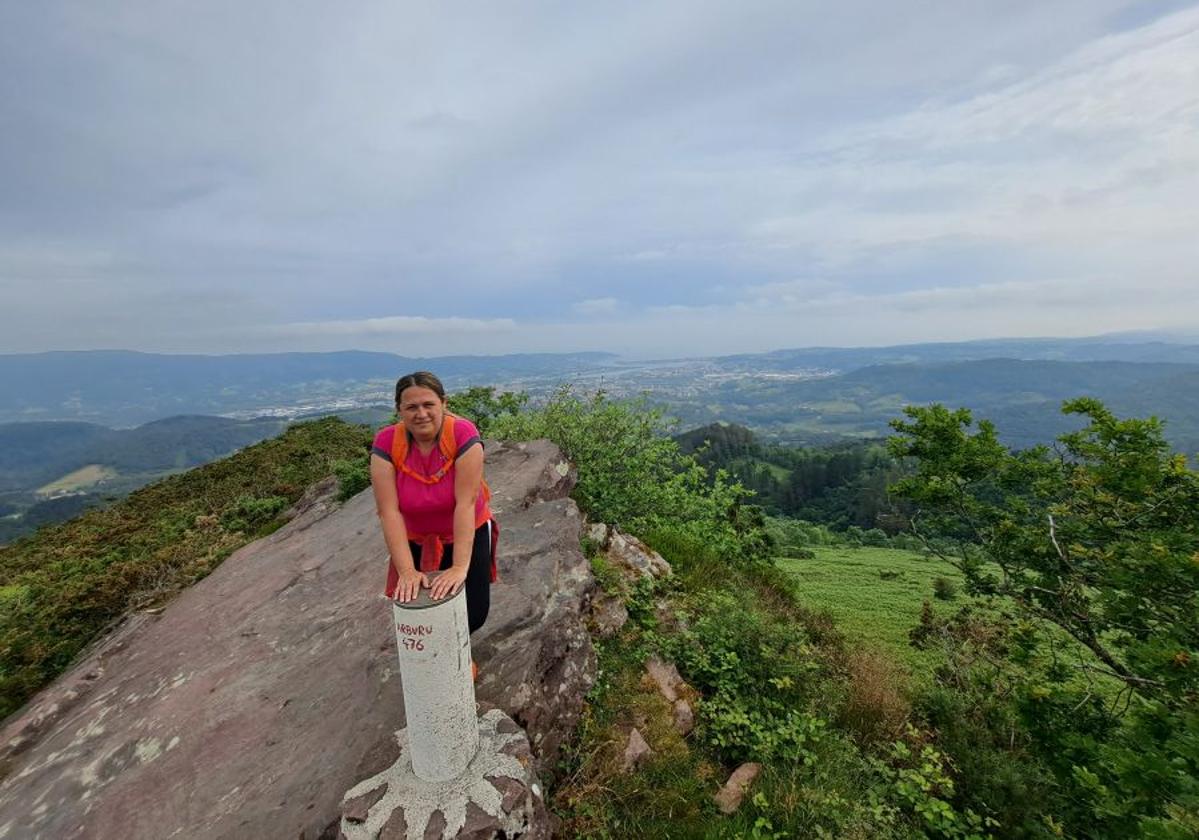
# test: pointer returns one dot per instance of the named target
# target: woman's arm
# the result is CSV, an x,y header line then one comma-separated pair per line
x,y
468,481
395,534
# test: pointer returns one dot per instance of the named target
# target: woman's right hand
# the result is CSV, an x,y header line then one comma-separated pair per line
x,y
409,585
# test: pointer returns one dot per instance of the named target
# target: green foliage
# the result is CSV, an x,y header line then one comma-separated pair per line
x,y
921,783
631,473
67,582
753,671
482,406
944,589
248,514
1101,541
353,476
767,693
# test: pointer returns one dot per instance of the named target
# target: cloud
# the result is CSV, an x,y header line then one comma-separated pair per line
x,y
1098,149
548,167
397,325
596,306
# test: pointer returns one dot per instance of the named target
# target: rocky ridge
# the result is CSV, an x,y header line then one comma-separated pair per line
x,y
255,700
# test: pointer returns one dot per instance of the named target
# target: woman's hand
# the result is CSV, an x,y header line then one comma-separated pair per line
x,y
448,582
410,583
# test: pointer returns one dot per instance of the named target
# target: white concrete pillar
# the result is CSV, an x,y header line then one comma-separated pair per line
x,y
439,694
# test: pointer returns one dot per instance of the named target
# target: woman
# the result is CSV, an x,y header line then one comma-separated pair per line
x,y
427,475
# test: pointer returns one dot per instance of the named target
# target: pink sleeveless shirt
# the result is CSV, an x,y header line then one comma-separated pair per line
x,y
429,508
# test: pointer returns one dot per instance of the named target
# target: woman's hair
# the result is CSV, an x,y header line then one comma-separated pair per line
x,y
420,379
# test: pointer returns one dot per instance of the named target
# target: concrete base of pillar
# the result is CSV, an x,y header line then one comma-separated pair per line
x,y
497,795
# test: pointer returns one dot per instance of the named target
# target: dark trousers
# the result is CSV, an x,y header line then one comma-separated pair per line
x,y
478,576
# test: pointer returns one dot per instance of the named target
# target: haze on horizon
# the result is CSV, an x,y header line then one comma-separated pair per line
x,y
674,178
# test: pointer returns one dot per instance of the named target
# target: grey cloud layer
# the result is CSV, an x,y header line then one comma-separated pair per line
x,y
220,177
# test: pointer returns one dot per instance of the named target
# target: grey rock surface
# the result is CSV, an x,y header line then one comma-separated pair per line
x,y
684,717
608,615
259,696
628,554
665,676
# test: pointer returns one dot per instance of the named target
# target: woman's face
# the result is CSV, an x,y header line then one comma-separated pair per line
x,y
422,411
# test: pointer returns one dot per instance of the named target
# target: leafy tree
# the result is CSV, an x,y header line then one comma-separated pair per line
x,y
483,406
1098,537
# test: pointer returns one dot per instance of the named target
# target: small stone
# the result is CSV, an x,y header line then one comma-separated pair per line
x,y
479,824
609,614
598,534
396,827
636,752
728,798
665,676
636,558
510,789
684,718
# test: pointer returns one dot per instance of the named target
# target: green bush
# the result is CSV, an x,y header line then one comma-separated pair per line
x,y
632,474
247,514
1097,543
944,589
353,476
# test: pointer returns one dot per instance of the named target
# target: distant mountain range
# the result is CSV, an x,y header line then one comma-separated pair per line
x,y
52,468
1022,397
121,389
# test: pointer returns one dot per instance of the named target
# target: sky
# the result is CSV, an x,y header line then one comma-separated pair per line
x,y
645,178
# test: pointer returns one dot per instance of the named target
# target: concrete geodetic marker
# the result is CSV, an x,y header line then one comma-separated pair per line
x,y
433,638
496,795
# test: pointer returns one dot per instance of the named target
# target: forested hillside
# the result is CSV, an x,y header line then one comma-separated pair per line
x,y
842,485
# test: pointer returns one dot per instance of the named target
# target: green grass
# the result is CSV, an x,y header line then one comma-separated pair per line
x,y
869,608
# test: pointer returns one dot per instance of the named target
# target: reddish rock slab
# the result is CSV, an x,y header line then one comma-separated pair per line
x,y
249,705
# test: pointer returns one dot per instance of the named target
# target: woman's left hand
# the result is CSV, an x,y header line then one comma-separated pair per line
x,y
448,582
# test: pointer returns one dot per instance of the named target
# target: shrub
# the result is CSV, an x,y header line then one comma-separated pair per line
x,y
248,513
876,707
633,474
1097,542
944,589
353,476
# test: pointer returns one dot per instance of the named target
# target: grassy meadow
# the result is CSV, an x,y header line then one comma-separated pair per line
x,y
78,480
874,595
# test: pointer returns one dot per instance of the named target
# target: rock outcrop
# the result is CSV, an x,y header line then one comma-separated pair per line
x,y
257,698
